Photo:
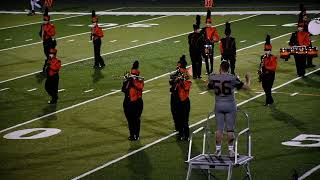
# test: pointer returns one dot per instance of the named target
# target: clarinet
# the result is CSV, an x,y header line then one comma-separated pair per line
x,y
260,69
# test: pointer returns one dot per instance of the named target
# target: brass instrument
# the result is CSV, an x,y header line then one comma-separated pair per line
x,y
260,69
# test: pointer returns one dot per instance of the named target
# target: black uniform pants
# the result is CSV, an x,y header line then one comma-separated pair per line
x,y
174,103
51,86
267,83
208,58
232,60
309,61
133,111
196,60
183,111
300,64
97,50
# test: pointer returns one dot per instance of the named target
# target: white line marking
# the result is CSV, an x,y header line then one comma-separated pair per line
x,y
243,41
28,40
146,91
8,39
309,172
203,92
113,90
89,41
71,40
88,90
32,89
288,41
293,94
313,41
60,90
176,41
140,45
4,89
258,92
50,20
76,25
267,25
172,134
113,41
39,42
135,41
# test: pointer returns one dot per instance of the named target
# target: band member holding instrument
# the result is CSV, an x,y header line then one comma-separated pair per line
x,y
211,36
302,39
96,35
228,48
195,41
47,33
224,85
133,103
268,68
52,82
180,103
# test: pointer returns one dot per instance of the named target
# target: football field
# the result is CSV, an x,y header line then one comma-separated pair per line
x,y
85,135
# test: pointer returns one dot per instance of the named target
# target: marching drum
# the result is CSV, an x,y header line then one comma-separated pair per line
x,y
299,50
314,26
285,53
312,51
208,49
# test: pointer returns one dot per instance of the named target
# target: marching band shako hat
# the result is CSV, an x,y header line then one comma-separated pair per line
x,y
135,67
182,62
227,31
267,45
208,19
46,16
302,9
94,17
197,24
53,51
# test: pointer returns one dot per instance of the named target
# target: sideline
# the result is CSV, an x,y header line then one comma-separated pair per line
x,y
193,125
120,50
309,172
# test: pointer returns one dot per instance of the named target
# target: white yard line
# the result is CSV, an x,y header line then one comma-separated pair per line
x,y
309,172
293,94
172,134
30,90
203,92
88,90
140,45
60,90
243,41
88,32
4,89
27,24
146,91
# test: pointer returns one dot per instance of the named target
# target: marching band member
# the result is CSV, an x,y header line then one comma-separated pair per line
x,y
300,38
268,69
180,102
228,48
211,36
47,33
52,82
195,41
133,103
34,3
224,85
96,35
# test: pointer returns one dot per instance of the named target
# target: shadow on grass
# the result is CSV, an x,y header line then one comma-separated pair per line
x,y
139,164
286,118
97,75
50,108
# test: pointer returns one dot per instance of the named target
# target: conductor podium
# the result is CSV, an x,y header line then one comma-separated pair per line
x,y
209,162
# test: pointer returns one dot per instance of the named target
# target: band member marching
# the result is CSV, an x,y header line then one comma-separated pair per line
x,y
96,35
268,68
47,33
133,103
195,41
180,103
228,48
52,82
210,37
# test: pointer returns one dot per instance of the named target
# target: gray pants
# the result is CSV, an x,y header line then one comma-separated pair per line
x,y
225,111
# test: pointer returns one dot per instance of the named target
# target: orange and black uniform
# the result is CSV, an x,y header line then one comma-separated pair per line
x,y
210,37
97,34
300,38
195,41
52,81
269,66
228,51
133,103
47,32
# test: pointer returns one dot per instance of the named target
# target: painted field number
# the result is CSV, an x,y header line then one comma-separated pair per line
x,y
35,133
304,140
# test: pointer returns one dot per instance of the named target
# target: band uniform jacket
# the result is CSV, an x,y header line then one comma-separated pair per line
x,y
97,32
183,87
211,34
300,38
54,66
195,43
47,31
269,64
134,87
228,46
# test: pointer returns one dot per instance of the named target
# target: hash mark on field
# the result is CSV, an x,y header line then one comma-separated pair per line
x,y
76,25
268,25
28,40
32,89
135,41
176,41
114,90
288,41
71,40
313,40
4,89
88,90
146,91
89,41
203,92
8,39
60,90
293,94
113,41
243,41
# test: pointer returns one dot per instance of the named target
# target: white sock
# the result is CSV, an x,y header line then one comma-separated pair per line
x,y
230,147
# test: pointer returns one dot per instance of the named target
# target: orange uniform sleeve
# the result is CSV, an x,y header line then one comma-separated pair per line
x,y
55,65
303,38
138,84
98,32
52,30
216,37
